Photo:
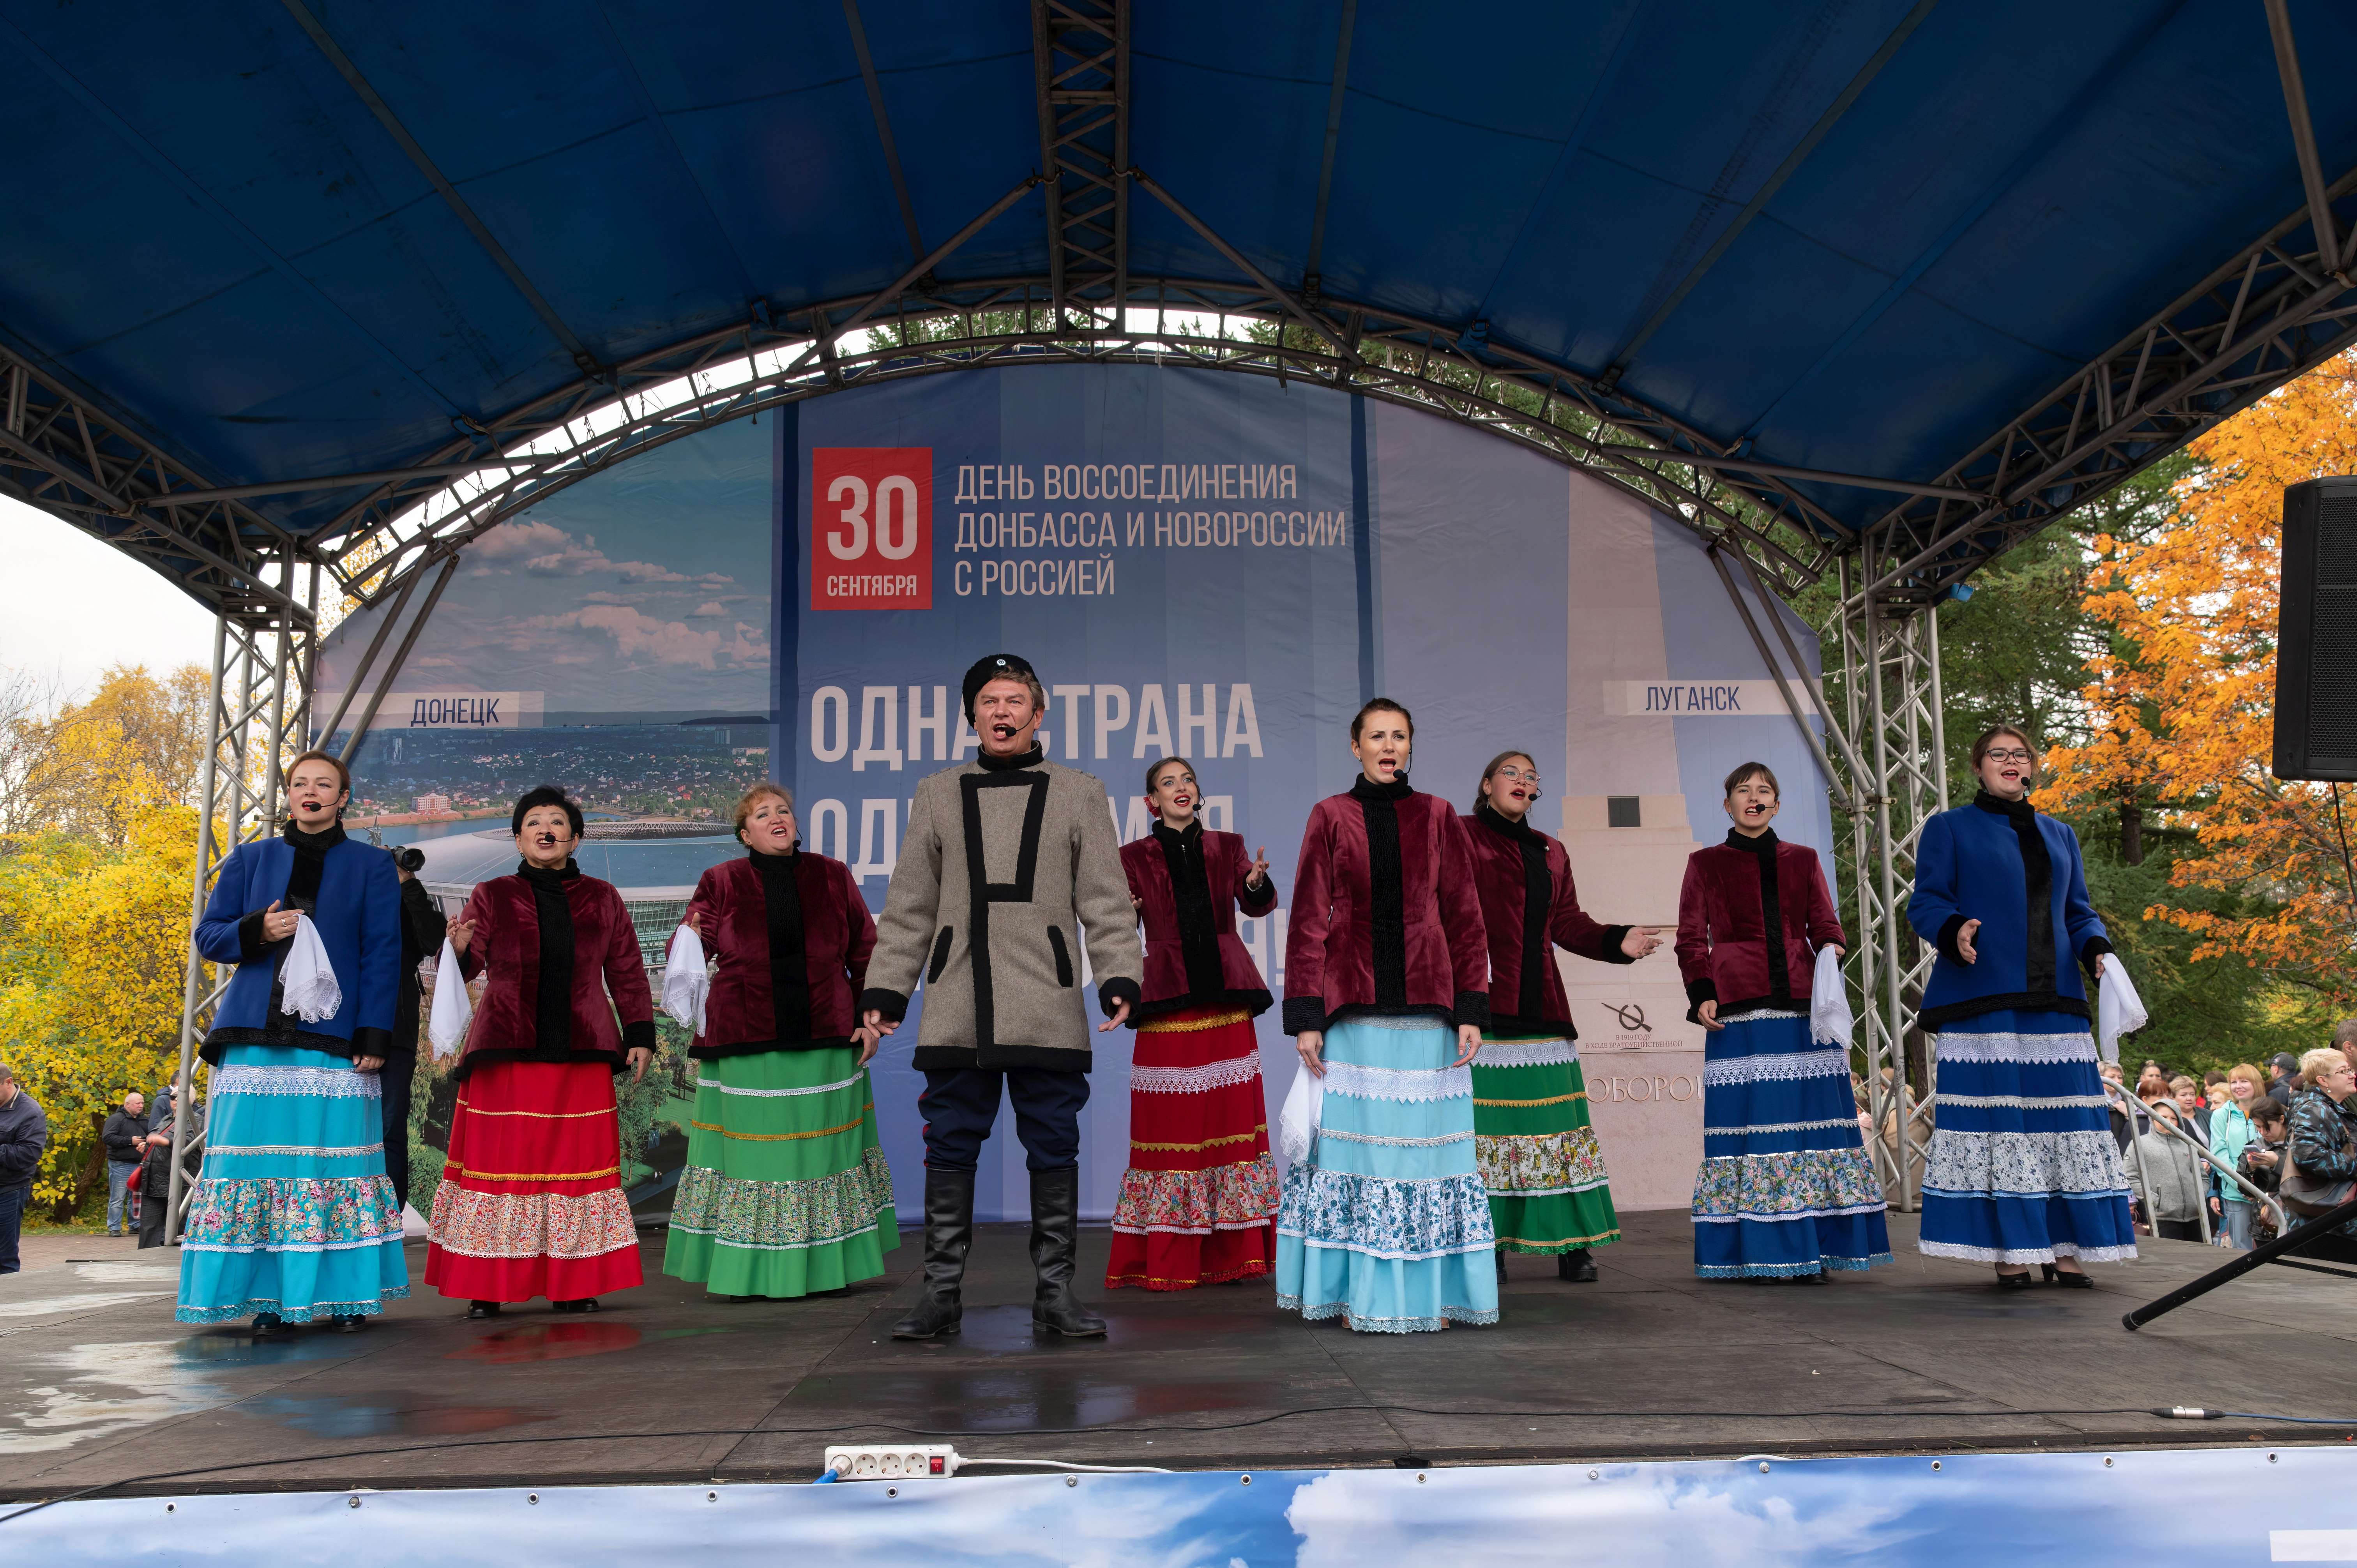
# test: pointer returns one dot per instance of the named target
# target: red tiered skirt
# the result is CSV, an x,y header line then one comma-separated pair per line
x,y
530,1201
1198,1201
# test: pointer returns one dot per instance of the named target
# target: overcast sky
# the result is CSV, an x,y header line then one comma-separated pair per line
x,y
69,606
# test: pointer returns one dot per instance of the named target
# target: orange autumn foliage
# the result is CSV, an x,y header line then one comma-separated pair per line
x,y
2181,705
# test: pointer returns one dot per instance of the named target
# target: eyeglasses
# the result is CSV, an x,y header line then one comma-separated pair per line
x,y
2011,754
1518,775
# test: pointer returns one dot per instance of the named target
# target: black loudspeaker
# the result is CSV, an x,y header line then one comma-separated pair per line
x,y
2316,641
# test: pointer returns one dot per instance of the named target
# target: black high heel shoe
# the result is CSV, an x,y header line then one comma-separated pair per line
x,y
482,1309
2075,1279
2014,1282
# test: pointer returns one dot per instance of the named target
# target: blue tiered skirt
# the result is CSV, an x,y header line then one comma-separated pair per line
x,y
2022,1168
292,1213
1388,1223
1785,1185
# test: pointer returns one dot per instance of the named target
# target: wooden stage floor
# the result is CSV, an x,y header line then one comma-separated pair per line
x,y
100,1387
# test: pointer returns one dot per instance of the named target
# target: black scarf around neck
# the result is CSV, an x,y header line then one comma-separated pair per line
x,y
782,902
1386,887
1538,902
2037,887
1031,758
1191,892
553,1003
1771,908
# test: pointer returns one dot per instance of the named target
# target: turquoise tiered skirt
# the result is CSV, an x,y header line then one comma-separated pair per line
x,y
1388,1223
292,1213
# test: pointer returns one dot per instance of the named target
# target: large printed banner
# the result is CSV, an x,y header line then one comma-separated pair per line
x,y
1221,567
1199,564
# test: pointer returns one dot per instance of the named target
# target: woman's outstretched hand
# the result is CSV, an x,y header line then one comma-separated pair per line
x,y
1309,1042
1965,935
1469,1042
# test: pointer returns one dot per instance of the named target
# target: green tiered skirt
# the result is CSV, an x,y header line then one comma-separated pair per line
x,y
785,1191
1537,1155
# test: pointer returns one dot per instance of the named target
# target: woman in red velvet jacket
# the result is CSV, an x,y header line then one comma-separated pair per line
x,y
1197,1203
1784,1191
785,1191
1386,976
530,1201
1539,1158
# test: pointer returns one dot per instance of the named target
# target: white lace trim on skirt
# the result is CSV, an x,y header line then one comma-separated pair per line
x,y
1360,1081
1223,1074
1952,1046
1776,1067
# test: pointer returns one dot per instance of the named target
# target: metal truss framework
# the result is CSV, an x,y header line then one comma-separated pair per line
x,y
2280,306
260,705
61,451
1081,51
1890,661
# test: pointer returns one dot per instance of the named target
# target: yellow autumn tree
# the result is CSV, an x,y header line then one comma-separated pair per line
x,y
2181,703
94,905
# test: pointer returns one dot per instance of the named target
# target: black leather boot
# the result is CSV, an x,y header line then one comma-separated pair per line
x,y
949,1232
1055,1232
1575,1265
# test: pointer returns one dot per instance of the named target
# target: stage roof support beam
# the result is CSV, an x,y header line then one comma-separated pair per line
x,y
1080,51
1770,186
2268,314
883,125
2303,137
334,54
1310,281
63,454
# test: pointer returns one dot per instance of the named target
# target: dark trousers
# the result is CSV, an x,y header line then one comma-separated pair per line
x,y
396,1075
2180,1231
152,1208
12,1216
958,1108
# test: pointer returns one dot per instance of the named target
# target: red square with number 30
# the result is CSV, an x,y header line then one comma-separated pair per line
x,y
871,528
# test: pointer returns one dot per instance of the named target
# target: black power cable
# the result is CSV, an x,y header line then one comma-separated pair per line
x,y
838,1428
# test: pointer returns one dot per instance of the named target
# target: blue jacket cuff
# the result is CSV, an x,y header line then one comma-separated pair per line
x,y
1946,940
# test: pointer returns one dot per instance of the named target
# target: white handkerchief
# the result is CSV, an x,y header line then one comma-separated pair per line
x,y
1830,1019
687,979
2118,1009
309,979
1297,1124
447,1028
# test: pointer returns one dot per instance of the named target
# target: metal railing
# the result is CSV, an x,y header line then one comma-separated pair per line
x,y
2132,1108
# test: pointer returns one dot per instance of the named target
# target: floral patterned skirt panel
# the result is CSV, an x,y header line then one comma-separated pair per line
x,y
1785,1185
530,1201
2022,1166
1386,1223
785,1191
292,1213
1537,1155
1197,1203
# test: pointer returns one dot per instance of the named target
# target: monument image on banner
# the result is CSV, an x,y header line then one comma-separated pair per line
x,y
1210,566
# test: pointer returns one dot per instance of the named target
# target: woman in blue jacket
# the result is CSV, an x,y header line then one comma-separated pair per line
x,y
2022,1167
293,1219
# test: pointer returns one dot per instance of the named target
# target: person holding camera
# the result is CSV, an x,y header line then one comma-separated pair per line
x,y
422,926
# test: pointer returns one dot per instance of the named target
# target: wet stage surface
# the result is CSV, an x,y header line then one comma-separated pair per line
x,y
99,1385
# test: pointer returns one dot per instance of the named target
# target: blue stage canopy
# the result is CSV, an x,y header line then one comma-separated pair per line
x,y
1859,235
